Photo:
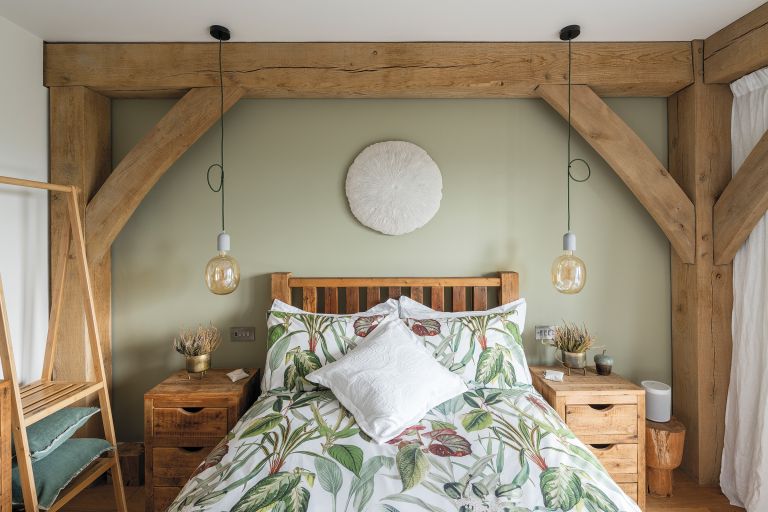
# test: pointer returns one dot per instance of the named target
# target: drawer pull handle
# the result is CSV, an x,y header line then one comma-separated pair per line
x,y
192,410
191,449
601,407
602,447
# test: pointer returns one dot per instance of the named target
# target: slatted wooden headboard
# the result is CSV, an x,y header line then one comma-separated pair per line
x,y
355,294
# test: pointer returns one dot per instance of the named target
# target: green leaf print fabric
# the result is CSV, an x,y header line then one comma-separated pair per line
x,y
488,450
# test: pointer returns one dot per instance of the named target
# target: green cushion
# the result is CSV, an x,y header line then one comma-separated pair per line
x,y
49,433
58,469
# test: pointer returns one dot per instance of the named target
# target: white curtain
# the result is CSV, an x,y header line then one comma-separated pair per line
x,y
744,474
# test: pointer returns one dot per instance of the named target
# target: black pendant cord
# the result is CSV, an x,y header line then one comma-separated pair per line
x,y
571,161
220,166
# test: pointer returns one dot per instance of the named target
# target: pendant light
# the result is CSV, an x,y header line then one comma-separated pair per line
x,y
222,273
569,274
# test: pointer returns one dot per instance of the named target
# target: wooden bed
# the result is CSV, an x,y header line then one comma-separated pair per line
x,y
355,294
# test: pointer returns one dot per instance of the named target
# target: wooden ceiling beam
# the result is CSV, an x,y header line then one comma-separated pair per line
x,y
370,70
742,204
632,160
738,49
142,167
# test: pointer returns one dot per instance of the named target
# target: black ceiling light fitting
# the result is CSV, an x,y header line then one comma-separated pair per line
x,y
569,274
222,273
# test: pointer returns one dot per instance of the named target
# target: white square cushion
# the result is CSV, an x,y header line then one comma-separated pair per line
x,y
389,382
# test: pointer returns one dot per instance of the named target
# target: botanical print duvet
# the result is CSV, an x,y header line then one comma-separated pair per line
x,y
487,450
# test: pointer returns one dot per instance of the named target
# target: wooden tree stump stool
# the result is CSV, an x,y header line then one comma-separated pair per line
x,y
663,453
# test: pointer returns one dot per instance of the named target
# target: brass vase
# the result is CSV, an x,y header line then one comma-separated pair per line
x,y
574,361
198,364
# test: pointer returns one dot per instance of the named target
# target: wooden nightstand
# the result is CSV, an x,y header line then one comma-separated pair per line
x,y
5,446
183,420
608,415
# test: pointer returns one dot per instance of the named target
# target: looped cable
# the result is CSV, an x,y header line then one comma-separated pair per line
x,y
585,178
221,177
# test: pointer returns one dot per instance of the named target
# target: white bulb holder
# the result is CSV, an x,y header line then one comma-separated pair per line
x,y
222,242
569,241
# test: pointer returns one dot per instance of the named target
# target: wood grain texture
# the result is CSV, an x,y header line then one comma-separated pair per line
x,y
632,160
143,166
372,296
183,420
480,298
738,49
370,70
742,204
353,300
608,414
459,296
309,299
280,289
331,301
507,284
509,287
437,297
417,293
81,156
664,452
5,446
702,293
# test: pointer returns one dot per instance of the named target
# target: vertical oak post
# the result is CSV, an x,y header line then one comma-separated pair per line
x,y
702,294
80,155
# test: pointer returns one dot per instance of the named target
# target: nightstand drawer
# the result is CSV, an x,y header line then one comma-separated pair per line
x,y
630,489
617,458
607,420
164,496
174,466
197,421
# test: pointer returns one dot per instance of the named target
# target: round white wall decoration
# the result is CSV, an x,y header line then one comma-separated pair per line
x,y
394,187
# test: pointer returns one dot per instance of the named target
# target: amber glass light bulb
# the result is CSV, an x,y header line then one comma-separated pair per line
x,y
569,274
222,273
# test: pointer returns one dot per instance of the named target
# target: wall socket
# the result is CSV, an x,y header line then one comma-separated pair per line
x,y
545,332
242,334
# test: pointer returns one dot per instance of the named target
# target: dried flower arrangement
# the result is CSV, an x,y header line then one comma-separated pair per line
x,y
197,342
572,338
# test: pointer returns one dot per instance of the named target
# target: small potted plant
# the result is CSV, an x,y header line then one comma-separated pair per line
x,y
573,342
197,345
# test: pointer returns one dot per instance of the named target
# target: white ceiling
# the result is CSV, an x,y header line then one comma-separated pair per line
x,y
369,20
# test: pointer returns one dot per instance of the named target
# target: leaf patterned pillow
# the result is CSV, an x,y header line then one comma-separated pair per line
x,y
299,342
485,348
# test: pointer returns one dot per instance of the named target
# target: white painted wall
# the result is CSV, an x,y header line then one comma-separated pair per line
x,y
24,213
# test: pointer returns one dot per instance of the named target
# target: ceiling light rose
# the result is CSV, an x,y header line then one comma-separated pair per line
x,y
569,273
222,273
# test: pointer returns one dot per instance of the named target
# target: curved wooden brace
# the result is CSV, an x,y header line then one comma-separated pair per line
x,y
143,166
742,204
631,159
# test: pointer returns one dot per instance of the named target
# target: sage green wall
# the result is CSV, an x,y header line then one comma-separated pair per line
x,y
503,208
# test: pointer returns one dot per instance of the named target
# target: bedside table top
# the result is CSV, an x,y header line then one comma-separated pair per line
x,y
591,382
214,383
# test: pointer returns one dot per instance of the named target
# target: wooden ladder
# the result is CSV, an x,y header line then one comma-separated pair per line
x,y
37,400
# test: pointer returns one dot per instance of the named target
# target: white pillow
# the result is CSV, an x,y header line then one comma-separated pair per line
x,y
299,342
410,308
389,382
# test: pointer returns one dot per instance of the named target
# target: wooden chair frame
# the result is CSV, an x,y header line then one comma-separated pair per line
x,y
37,400
466,293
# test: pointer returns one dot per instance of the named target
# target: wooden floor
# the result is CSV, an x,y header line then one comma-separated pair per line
x,y
688,498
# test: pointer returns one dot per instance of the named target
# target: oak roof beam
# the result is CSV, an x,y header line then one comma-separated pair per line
x,y
632,160
738,49
370,70
742,204
142,167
